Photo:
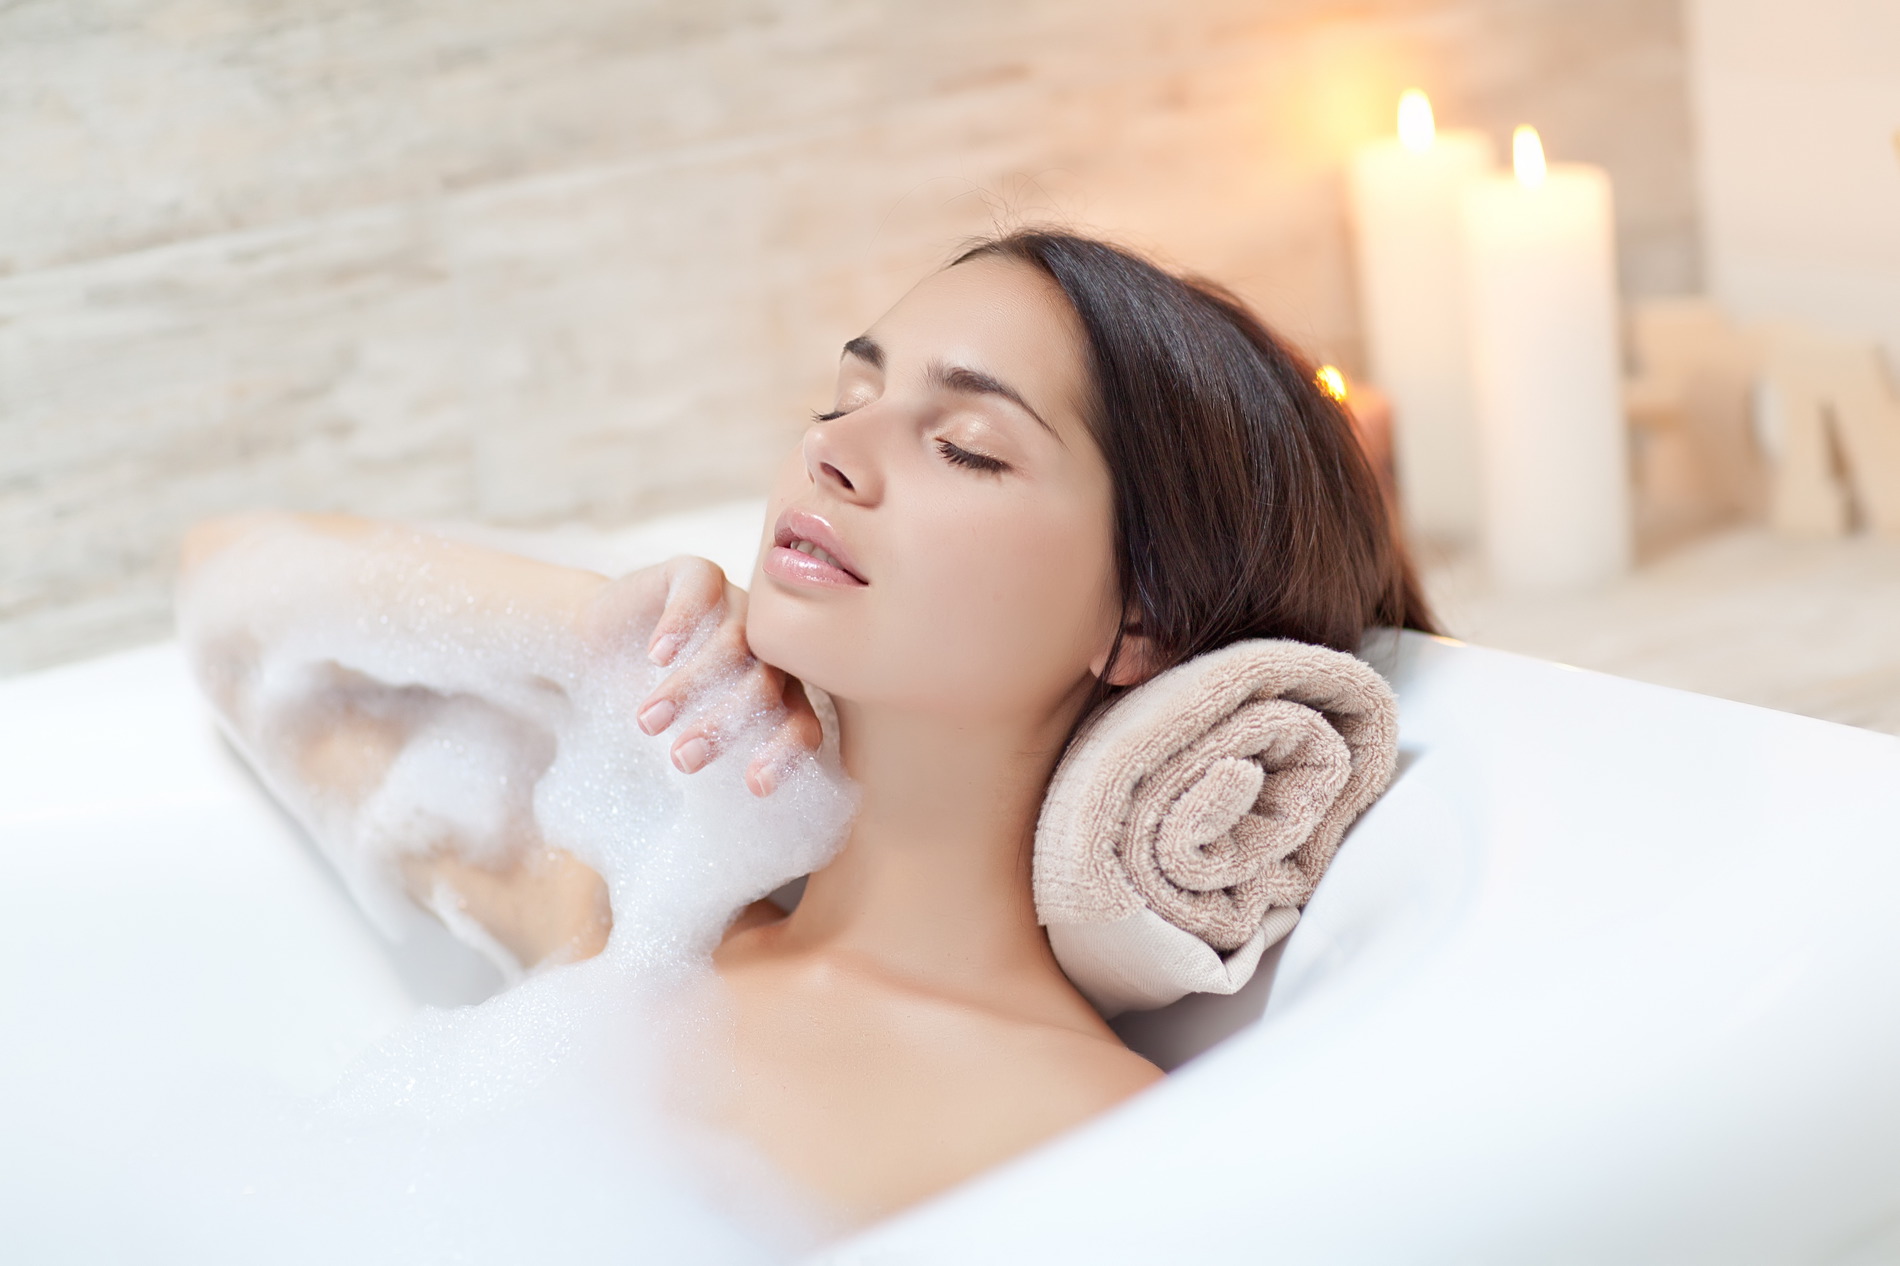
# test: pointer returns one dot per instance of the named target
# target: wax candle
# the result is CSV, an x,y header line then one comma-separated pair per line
x,y
1541,285
1371,413
1406,194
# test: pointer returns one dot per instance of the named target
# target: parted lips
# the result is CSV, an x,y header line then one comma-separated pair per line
x,y
1216,792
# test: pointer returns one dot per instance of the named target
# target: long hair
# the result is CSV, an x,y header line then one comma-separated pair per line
x,y
1245,506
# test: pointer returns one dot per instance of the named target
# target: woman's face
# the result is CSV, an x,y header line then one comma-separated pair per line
x,y
960,511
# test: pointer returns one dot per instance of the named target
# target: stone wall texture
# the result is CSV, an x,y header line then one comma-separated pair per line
x,y
530,262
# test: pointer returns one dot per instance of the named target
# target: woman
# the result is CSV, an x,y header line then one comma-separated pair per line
x,y
1051,471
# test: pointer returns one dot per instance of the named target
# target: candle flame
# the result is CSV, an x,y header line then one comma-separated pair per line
x,y
1331,381
1527,157
1416,128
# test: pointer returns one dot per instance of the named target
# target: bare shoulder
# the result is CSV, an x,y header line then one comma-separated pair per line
x,y
1013,1081
1119,1067
1089,1069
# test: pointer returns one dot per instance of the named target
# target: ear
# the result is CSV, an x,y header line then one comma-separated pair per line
x,y
1134,662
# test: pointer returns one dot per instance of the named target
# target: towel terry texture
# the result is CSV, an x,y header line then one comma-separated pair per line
x,y
1190,821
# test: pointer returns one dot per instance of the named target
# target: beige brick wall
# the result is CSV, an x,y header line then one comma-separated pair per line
x,y
525,262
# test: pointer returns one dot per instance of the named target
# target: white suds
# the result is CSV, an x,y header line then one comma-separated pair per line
x,y
528,1127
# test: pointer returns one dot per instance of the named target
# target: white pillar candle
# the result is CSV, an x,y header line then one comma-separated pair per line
x,y
1541,285
1406,195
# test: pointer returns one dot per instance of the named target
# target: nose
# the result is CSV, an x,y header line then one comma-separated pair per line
x,y
840,456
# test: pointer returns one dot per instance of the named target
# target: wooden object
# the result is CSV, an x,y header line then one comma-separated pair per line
x,y
1837,466
1698,465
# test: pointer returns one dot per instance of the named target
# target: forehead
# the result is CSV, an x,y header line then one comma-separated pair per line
x,y
1002,317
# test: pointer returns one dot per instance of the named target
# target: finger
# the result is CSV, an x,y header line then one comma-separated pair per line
x,y
768,769
798,735
695,588
795,730
763,775
656,714
802,728
695,749
721,660
736,704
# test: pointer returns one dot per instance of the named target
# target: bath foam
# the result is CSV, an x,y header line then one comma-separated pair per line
x,y
465,727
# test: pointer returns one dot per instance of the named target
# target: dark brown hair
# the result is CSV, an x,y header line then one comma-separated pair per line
x,y
1245,506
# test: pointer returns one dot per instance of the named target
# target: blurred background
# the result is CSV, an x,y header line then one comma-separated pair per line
x,y
534,263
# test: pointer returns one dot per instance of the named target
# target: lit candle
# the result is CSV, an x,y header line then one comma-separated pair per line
x,y
1541,286
1406,193
1371,414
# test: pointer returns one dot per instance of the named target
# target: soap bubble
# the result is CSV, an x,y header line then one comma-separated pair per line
x,y
395,714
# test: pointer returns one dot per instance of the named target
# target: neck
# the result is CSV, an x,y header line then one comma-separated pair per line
x,y
932,886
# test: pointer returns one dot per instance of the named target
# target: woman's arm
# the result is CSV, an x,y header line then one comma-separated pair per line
x,y
290,575
418,586
263,587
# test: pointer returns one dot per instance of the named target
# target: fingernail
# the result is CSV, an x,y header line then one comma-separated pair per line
x,y
691,755
657,715
663,650
762,781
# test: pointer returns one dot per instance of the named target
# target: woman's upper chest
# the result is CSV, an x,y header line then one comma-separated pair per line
x,y
874,1096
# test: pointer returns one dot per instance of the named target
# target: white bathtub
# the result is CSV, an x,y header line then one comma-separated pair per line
x,y
1611,974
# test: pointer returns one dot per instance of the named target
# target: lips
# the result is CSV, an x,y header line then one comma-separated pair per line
x,y
806,551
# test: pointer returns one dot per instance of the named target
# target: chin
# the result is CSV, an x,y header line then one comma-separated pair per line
x,y
795,639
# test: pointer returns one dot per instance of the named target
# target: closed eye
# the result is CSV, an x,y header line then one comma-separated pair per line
x,y
974,461
833,416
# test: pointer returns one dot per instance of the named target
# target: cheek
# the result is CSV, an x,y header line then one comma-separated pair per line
x,y
982,605
1006,609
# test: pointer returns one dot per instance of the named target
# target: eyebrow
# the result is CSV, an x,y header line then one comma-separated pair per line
x,y
958,378
977,383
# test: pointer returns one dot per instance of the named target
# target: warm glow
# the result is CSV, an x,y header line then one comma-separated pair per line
x,y
1330,380
1416,128
1527,156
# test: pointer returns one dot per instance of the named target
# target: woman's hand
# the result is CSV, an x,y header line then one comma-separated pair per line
x,y
700,635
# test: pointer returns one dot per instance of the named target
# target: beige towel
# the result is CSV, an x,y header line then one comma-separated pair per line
x,y
1188,824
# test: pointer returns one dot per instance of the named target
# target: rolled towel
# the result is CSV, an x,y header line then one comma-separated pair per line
x,y
1188,824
